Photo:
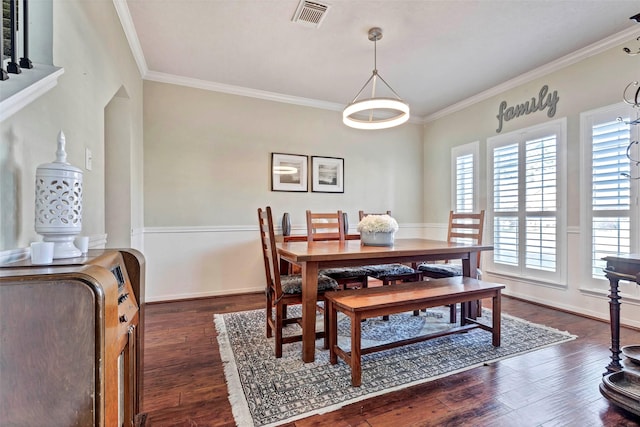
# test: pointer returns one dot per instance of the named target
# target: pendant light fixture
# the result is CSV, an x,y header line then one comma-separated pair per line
x,y
375,113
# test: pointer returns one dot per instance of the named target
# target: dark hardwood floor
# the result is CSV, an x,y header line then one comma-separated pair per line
x,y
556,386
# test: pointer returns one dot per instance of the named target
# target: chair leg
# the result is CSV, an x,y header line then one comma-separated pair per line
x,y
269,312
278,331
386,282
453,315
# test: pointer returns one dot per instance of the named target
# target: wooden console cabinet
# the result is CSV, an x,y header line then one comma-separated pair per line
x,y
71,341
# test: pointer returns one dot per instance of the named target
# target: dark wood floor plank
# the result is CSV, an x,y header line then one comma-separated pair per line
x,y
556,386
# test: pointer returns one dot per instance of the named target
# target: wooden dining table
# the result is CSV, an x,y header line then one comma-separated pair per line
x,y
313,256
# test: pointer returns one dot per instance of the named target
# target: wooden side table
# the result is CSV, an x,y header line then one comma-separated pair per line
x,y
619,382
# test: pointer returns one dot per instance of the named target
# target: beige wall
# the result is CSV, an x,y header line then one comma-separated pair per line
x,y
91,47
208,155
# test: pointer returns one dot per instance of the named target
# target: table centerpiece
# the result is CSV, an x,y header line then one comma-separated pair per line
x,y
377,230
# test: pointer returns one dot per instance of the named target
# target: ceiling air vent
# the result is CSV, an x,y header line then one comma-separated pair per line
x,y
310,13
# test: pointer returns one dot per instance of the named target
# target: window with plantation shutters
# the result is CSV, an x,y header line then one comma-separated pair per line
x,y
526,215
464,166
612,217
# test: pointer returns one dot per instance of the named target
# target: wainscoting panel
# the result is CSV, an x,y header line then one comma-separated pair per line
x,y
194,262
200,262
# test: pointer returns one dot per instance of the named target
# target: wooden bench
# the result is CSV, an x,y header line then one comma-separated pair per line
x,y
380,301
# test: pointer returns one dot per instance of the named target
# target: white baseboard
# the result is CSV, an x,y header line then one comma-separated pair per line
x,y
181,296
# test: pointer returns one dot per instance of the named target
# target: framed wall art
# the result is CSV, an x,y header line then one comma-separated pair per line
x,y
327,174
289,172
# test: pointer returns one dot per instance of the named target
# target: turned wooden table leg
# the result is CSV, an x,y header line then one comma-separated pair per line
x,y
614,315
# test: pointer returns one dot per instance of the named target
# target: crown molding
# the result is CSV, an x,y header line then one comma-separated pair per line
x,y
558,64
122,9
248,92
240,91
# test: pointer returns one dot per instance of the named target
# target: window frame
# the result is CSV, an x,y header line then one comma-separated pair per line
x,y
557,278
587,120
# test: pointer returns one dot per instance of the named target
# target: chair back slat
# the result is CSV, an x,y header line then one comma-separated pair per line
x,y
269,251
325,226
463,226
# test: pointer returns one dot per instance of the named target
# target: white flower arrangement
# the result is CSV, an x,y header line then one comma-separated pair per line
x,y
378,224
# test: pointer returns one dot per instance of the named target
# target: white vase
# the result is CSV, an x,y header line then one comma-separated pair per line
x,y
377,239
58,207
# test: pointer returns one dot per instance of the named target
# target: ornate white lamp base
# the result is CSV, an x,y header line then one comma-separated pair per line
x,y
63,246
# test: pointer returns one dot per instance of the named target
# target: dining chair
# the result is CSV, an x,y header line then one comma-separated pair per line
x,y
330,226
464,228
390,273
284,290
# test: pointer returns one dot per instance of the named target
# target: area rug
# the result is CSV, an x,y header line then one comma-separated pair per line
x,y
265,391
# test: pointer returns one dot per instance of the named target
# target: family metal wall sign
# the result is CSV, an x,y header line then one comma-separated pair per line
x,y
544,100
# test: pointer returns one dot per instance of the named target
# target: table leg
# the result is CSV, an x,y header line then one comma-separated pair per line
x,y
470,265
464,312
470,269
309,301
496,308
332,333
614,315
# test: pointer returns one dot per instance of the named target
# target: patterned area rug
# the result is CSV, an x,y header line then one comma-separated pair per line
x,y
265,391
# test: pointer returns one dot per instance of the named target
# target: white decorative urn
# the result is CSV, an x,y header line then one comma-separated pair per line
x,y
58,215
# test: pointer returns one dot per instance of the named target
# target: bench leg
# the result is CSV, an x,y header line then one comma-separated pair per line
x,y
496,300
355,362
332,333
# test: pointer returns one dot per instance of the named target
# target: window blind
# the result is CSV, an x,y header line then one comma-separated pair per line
x,y
540,202
464,183
505,204
610,192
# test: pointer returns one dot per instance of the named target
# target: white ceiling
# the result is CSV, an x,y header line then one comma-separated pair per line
x,y
435,54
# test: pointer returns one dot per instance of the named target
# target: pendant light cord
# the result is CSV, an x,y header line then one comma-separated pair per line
x,y
375,55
